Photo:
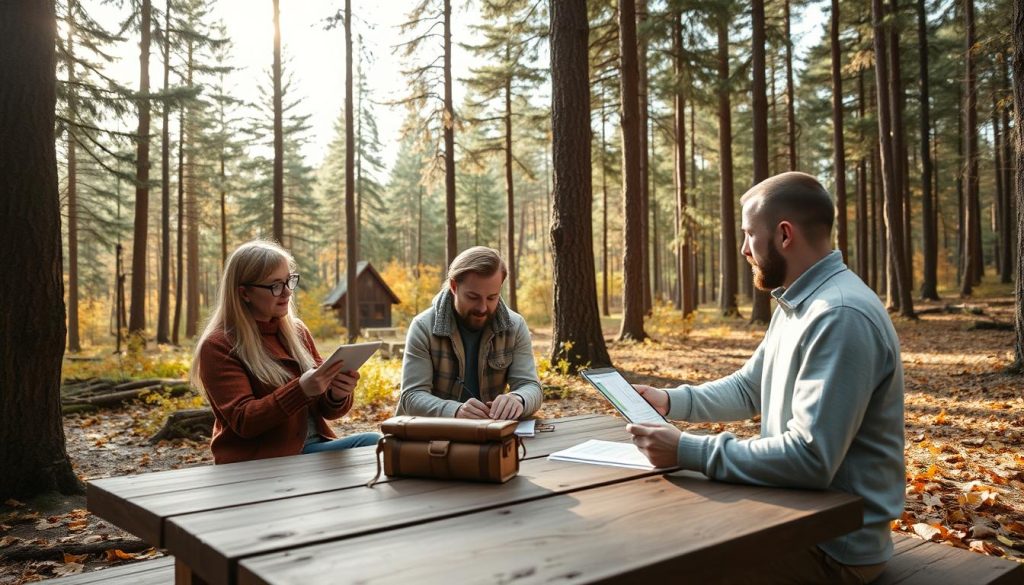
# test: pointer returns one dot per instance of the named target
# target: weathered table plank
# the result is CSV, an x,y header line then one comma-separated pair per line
x,y
139,504
652,528
212,542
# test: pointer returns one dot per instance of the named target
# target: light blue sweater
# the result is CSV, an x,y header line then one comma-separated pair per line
x,y
828,382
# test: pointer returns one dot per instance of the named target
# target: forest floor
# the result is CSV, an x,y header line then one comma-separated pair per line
x,y
964,431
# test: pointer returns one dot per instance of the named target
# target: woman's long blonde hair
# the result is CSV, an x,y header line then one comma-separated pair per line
x,y
253,261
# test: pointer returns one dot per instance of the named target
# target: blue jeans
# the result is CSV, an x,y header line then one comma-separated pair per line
x,y
349,442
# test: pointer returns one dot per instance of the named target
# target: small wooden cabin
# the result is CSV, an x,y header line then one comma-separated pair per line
x,y
375,298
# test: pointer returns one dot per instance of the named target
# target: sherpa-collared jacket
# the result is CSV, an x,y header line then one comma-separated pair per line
x,y
434,364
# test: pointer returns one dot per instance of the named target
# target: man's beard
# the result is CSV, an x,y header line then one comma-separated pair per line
x,y
470,321
771,273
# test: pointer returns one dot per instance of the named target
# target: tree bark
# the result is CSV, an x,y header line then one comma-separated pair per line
x,y
761,312
1018,123
278,131
684,235
351,293
901,161
729,288
179,275
1006,226
575,316
862,190
838,144
32,452
1008,168
893,203
509,188
192,219
137,318
790,106
448,120
633,253
74,343
645,174
163,319
972,239
604,212
929,217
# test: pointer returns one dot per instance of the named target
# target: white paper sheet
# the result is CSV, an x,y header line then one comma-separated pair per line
x,y
597,452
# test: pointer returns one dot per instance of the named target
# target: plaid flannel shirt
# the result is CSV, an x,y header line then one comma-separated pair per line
x,y
434,361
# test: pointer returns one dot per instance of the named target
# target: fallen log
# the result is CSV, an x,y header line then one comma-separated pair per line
x,y
109,395
195,424
991,326
953,310
35,552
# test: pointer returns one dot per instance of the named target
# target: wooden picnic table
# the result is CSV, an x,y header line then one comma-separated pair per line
x,y
310,519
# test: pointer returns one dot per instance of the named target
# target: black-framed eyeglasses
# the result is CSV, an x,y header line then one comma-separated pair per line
x,y
278,287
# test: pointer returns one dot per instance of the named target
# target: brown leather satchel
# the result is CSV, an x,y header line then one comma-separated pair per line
x,y
449,448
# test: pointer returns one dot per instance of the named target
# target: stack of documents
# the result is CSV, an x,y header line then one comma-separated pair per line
x,y
527,428
598,452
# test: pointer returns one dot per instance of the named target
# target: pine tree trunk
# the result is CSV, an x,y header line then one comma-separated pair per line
x,y
511,209
1009,245
32,452
632,216
684,236
838,143
192,221
223,215
1018,123
351,294
929,218
971,239
862,190
893,202
452,235
790,99
900,157
729,288
605,277
645,174
137,319
278,131
74,343
575,316
163,320
761,311
179,273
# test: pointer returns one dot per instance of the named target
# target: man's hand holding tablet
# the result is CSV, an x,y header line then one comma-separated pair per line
x,y
645,408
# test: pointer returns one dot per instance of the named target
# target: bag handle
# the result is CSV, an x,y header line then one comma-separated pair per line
x,y
380,449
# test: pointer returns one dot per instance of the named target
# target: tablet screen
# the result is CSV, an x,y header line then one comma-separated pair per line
x,y
623,396
353,355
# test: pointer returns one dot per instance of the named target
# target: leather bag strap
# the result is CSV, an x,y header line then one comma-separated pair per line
x,y
380,449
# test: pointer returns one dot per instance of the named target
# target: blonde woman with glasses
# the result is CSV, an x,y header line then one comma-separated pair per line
x,y
259,368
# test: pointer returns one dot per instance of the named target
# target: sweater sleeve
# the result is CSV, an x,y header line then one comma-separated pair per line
x,y
230,393
522,373
416,398
842,356
734,397
325,407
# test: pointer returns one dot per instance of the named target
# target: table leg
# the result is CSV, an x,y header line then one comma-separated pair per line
x,y
183,575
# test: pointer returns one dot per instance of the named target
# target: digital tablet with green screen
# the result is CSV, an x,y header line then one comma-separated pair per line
x,y
622,395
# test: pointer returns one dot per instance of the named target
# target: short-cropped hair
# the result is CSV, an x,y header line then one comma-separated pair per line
x,y
795,197
479,260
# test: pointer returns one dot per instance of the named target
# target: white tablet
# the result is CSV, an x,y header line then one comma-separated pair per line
x,y
354,355
623,395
